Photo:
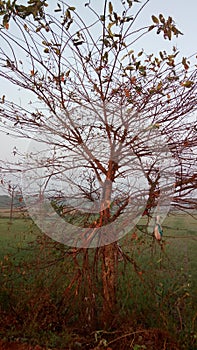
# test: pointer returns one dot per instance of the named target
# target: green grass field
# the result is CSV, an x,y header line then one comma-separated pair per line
x,y
158,290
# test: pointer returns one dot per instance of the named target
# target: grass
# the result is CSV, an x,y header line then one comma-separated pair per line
x,y
157,290
167,283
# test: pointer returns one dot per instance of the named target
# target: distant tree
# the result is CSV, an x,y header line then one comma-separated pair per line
x,y
13,190
117,126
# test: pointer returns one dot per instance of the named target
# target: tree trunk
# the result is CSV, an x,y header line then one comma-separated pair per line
x,y
109,281
109,259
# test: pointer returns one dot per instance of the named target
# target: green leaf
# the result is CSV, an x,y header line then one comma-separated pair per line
x,y
185,63
153,126
140,53
161,55
169,34
159,86
155,19
161,17
128,19
116,17
106,42
151,28
77,43
128,54
69,24
129,68
72,8
57,51
45,43
67,14
173,78
137,64
109,26
187,83
176,31
38,29
130,2
142,70
105,57
6,19
110,8
26,27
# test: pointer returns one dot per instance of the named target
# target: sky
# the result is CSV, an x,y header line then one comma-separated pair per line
x,y
184,14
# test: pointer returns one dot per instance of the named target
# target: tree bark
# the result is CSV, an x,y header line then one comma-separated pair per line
x,y
109,256
109,282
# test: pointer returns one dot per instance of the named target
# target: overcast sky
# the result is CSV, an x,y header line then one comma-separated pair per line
x,y
184,14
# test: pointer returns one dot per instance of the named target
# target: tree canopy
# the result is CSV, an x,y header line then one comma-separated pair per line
x,y
117,126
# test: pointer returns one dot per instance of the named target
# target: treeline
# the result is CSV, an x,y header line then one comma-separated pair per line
x,y
5,201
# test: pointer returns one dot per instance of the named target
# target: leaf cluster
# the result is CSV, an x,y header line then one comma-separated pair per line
x,y
167,26
9,9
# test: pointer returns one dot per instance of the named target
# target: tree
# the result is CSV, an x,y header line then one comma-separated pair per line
x,y
10,185
116,125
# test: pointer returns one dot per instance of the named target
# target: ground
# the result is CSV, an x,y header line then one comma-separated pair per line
x,y
152,339
158,306
17,346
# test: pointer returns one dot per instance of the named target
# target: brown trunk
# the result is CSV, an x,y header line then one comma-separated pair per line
x,y
109,280
109,258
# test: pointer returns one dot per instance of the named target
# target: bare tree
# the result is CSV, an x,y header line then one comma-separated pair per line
x,y
116,128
